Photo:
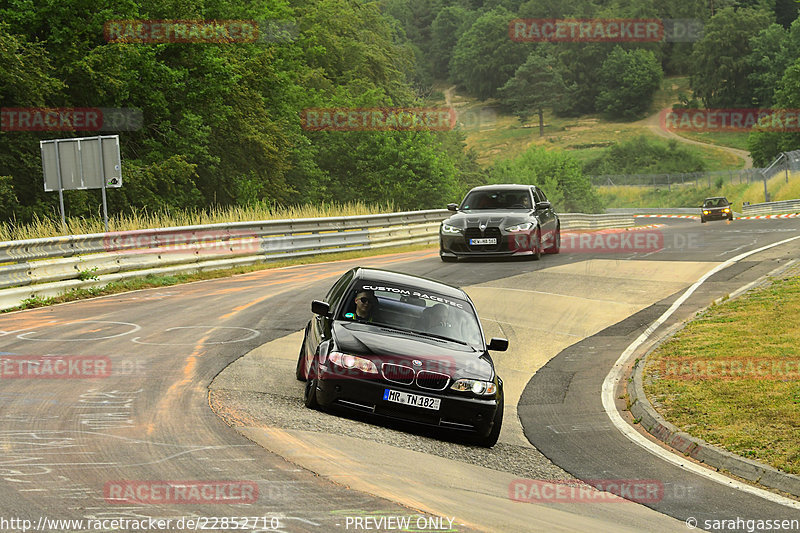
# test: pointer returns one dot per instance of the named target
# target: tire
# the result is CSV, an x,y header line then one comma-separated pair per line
x,y
537,253
702,220
299,372
310,392
556,242
491,439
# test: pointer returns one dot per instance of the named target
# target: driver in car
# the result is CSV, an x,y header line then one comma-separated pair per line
x,y
366,306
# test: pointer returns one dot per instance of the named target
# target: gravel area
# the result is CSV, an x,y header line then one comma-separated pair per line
x,y
249,408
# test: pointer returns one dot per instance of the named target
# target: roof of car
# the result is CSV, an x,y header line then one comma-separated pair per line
x,y
716,198
501,186
387,276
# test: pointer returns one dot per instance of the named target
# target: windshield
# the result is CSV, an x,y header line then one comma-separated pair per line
x,y
716,202
413,310
498,199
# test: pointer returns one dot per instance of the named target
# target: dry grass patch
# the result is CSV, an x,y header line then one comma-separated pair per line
x,y
143,219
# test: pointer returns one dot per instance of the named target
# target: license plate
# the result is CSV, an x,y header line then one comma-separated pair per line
x,y
406,398
478,242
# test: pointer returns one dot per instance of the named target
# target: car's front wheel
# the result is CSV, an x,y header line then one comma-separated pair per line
x,y
300,371
556,247
310,392
491,439
537,246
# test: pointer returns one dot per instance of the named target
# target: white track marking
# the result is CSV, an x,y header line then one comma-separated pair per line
x,y
616,373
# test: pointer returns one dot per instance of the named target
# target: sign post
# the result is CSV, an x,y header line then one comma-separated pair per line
x,y
81,163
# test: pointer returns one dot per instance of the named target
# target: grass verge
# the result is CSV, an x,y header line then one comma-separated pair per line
x,y
494,134
151,281
732,376
143,219
690,196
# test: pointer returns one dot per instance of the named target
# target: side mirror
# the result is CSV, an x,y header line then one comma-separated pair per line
x,y
320,308
542,205
452,207
498,345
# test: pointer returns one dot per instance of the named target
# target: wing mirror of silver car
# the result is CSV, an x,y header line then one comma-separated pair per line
x,y
452,207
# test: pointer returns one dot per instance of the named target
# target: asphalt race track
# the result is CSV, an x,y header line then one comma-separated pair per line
x,y
174,408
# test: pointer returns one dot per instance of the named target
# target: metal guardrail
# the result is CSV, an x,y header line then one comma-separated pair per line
x,y
769,208
653,210
584,221
51,266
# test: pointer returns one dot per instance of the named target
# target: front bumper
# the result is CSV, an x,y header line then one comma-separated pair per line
x,y
473,415
507,245
716,215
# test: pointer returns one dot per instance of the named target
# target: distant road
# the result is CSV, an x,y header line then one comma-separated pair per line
x,y
654,123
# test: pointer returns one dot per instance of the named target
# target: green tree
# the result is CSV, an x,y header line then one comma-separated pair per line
x,y
766,62
26,80
537,84
768,140
485,58
719,64
408,169
643,156
556,173
628,80
449,24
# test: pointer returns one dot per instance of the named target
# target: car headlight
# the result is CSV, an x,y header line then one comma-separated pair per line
x,y
525,226
350,362
476,386
447,228
726,210
706,212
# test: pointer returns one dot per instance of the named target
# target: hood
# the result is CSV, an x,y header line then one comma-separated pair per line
x,y
474,218
392,346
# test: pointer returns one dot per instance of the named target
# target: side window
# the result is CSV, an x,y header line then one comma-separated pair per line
x,y
539,196
336,292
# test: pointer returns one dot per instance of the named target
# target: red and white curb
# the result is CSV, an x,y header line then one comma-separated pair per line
x,y
789,215
649,226
695,217
667,216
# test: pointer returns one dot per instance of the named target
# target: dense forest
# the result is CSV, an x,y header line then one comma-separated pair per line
x,y
221,121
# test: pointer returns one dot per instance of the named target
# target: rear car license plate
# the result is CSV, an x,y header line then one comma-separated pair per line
x,y
406,398
478,242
